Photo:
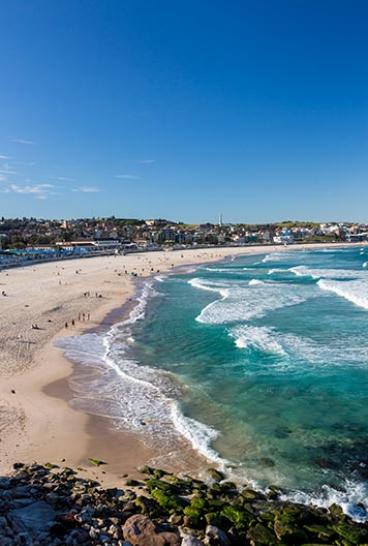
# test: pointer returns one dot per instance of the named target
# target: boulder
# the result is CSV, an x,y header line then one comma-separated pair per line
x,y
190,540
216,537
140,530
260,534
34,517
215,474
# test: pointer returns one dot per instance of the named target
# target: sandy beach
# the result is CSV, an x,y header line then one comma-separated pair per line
x,y
41,301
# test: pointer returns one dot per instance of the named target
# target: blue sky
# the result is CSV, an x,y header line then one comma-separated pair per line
x,y
184,109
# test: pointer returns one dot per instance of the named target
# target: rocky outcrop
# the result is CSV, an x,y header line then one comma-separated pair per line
x,y
50,506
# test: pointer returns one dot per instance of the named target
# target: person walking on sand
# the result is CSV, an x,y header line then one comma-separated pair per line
x,y
66,325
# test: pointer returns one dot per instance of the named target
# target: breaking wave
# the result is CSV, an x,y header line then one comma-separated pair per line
x,y
354,291
303,271
297,350
238,304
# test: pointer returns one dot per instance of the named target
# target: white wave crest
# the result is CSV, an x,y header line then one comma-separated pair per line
x,y
354,291
277,270
209,286
273,257
256,282
257,337
295,349
198,434
237,303
303,271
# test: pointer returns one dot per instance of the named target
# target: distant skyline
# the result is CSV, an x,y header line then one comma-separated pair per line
x,y
184,110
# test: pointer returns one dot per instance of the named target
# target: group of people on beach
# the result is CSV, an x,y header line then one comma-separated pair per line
x,y
88,294
81,317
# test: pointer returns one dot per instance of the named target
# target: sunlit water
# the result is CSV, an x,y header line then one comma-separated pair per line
x,y
261,363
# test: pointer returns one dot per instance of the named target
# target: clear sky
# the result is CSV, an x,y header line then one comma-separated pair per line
x,y
184,109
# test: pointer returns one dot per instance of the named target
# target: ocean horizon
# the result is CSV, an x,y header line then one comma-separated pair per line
x,y
258,363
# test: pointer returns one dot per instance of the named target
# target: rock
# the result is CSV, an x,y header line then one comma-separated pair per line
x,y
94,533
132,483
235,515
34,517
168,501
273,492
140,530
96,462
176,519
336,511
195,512
250,495
290,533
351,532
320,531
216,537
190,540
215,475
259,535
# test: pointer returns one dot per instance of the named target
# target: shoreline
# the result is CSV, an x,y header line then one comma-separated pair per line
x,y
43,425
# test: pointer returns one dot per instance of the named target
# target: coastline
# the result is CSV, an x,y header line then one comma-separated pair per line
x,y
36,420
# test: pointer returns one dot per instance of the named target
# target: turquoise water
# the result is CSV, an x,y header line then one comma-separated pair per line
x,y
258,363
271,353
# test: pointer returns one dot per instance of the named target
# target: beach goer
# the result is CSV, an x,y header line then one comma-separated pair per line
x,y
66,325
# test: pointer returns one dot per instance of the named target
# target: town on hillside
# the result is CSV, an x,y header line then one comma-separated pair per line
x,y
31,238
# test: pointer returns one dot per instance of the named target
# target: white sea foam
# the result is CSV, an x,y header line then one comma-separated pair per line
x,y
277,270
257,337
227,270
303,271
295,349
353,499
198,434
353,291
237,303
256,282
273,257
217,269
210,286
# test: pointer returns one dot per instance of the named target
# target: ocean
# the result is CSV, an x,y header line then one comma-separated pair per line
x,y
259,363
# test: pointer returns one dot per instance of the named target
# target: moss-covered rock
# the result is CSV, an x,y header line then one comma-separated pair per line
x,y
250,494
196,510
289,533
168,501
353,534
261,535
322,532
236,515
145,505
215,518
215,474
